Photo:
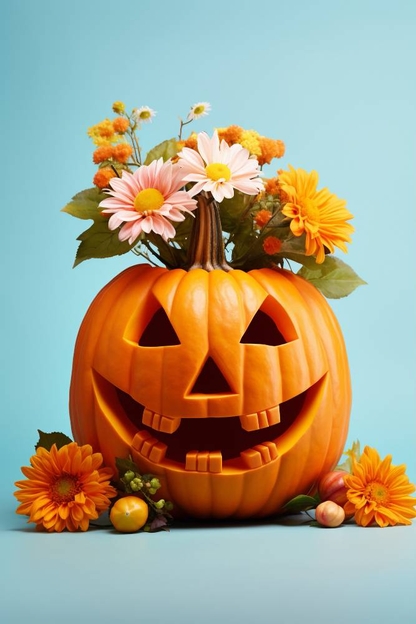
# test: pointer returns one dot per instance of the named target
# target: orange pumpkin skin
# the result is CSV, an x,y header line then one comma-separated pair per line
x,y
210,431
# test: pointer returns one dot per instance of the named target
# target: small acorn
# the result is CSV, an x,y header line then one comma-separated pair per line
x,y
329,514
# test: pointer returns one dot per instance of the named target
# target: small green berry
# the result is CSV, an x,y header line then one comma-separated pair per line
x,y
129,476
155,483
160,503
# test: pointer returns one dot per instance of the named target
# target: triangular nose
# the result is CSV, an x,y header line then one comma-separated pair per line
x,y
211,380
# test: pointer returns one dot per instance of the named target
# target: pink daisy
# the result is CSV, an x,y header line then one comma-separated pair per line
x,y
144,201
219,168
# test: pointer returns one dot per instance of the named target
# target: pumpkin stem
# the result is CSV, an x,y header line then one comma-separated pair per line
x,y
206,246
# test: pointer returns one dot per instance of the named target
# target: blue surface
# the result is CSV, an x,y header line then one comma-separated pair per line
x,y
260,572
335,82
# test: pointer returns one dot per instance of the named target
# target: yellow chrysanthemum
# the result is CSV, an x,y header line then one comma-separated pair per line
x,y
321,215
103,133
65,488
119,107
250,139
379,492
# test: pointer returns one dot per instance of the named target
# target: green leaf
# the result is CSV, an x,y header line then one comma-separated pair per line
x,y
47,440
125,464
100,242
233,211
84,205
166,149
301,503
334,278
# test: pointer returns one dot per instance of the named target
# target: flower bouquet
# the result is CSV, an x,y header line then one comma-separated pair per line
x,y
211,373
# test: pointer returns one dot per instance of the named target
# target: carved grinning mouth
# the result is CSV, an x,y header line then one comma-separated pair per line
x,y
203,444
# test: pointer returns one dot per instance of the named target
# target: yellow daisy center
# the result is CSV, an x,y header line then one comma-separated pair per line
x,y
145,115
377,492
309,210
64,489
198,110
148,200
218,171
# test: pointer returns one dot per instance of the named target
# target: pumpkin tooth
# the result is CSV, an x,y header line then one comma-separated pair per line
x,y
273,415
204,461
166,424
149,447
259,455
250,422
260,420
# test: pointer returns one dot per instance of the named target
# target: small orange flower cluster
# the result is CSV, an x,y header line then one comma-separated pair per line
x,y
112,148
263,148
108,131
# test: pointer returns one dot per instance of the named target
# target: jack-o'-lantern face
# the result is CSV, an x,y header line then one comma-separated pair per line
x,y
232,387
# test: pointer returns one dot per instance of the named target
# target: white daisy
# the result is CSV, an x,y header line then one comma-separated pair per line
x,y
199,110
219,168
143,114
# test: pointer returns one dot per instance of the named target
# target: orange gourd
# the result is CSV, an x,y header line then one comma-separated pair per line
x,y
232,387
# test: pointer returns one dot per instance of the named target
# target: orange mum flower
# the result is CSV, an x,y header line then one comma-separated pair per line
x,y
270,148
262,218
192,141
104,152
231,134
272,245
103,177
379,492
122,152
120,124
65,488
321,215
272,186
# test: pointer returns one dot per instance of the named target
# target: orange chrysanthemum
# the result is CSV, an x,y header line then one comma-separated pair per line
x,y
120,124
231,134
272,245
192,141
379,492
65,488
104,152
103,177
321,215
122,152
262,218
272,187
270,148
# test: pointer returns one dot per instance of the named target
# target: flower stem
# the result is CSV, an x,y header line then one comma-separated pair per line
x,y
206,245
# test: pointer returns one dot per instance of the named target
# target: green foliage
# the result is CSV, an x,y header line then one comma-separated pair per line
x,y
301,503
100,242
167,149
334,278
47,440
84,205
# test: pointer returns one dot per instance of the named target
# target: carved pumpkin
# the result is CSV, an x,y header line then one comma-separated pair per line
x,y
232,387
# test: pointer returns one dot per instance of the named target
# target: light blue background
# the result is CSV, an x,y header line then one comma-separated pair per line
x,y
335,81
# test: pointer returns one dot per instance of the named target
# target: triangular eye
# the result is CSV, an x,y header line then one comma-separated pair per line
x,y
262,330
159,332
